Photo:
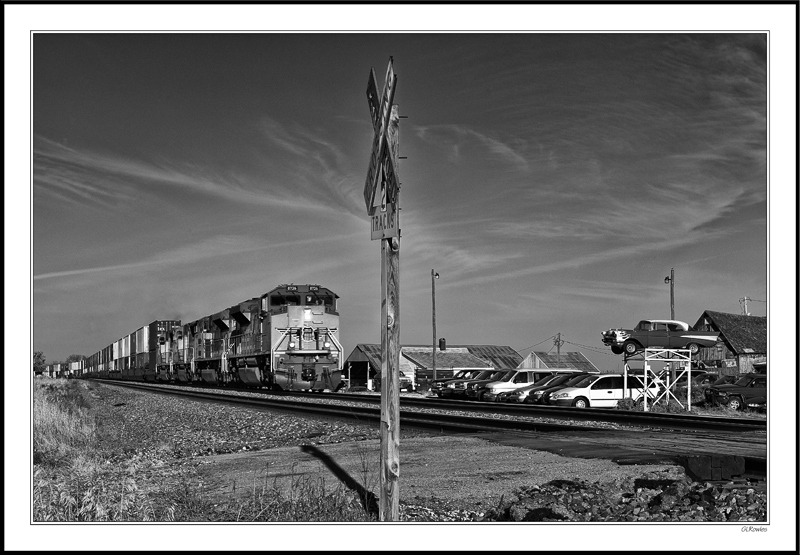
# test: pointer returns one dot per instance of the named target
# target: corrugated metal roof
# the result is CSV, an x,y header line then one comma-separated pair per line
x,y
740,332
572,359
445,359
496,356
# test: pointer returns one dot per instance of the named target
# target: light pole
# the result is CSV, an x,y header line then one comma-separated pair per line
x,y
671,280
434,277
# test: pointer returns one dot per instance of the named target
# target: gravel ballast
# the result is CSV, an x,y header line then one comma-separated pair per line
x,y
442,478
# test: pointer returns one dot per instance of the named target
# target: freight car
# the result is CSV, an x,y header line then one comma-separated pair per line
x,y
286,338
57,370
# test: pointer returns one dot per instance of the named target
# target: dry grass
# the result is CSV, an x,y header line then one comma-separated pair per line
x,y
307,499
63,428
74,481
668,404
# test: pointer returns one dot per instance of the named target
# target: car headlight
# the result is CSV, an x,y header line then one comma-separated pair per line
x,y
558,395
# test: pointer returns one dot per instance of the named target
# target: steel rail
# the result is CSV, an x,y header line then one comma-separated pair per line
x,y
651,419
635,418
408,417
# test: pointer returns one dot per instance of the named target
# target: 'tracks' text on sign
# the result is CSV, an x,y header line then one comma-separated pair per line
x,y
384,223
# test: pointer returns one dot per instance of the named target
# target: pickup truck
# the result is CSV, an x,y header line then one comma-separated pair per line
x,y
748,389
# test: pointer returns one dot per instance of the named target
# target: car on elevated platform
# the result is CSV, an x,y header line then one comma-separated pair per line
x,y
665,334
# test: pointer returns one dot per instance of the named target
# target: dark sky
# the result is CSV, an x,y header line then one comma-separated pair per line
x,y
553,180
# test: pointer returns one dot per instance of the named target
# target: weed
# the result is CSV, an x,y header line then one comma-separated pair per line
x,y
73,481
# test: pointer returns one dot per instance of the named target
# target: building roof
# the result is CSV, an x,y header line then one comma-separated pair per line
x,y
572,360
743,334
498,356
454,356
450,358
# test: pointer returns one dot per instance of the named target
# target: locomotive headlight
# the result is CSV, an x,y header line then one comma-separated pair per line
x,y
327,344
292,344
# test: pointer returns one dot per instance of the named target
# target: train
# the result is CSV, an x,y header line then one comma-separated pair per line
x,y
285,339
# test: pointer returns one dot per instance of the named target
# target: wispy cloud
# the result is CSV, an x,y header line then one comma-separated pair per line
x,y
109,179
459,139
574,262
208,248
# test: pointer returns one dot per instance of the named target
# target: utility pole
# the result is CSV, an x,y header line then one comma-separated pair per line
x,y
558,342
744,310
382,200
434,277
671,280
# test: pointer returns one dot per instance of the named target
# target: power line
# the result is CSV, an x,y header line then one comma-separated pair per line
x,y
593,349
532,346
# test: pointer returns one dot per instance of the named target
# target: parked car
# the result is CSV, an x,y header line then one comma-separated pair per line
x,y
473,389
511,381
668,334
698,378
740,393
722,380
757,403
704,378
542,396
458,388
405,382
603,390
437,386
521,395
502,396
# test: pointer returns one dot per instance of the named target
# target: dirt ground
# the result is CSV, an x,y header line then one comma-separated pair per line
x,y
457,472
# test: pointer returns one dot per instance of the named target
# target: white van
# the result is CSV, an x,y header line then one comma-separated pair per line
x,y
603,390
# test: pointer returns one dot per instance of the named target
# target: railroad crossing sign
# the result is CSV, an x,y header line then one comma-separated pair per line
x,y
380,188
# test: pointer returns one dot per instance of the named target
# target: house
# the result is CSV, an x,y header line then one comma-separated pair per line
x,y
416,361
570,360
742,345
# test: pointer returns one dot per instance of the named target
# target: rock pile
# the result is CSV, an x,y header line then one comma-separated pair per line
x,y
643,499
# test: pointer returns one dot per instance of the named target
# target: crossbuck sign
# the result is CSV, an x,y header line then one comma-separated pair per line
x,y
380,189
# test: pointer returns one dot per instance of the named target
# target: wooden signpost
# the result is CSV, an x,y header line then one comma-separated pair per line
x,y
381,196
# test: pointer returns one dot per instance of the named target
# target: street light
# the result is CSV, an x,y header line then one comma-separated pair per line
x,y
671,280
434,277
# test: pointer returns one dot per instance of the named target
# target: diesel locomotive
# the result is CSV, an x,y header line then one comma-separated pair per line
x,y
286,339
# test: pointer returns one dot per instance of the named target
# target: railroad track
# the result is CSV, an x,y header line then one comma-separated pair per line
x,y
630,438
649,419
570,414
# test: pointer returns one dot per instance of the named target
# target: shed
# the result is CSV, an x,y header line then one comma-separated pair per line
x,y
742,342
571,360
416,361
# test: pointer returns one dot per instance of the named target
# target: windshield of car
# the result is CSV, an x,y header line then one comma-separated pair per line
x,y
586,381
742,381
575,380
482,375
496,375
545,380
509,374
